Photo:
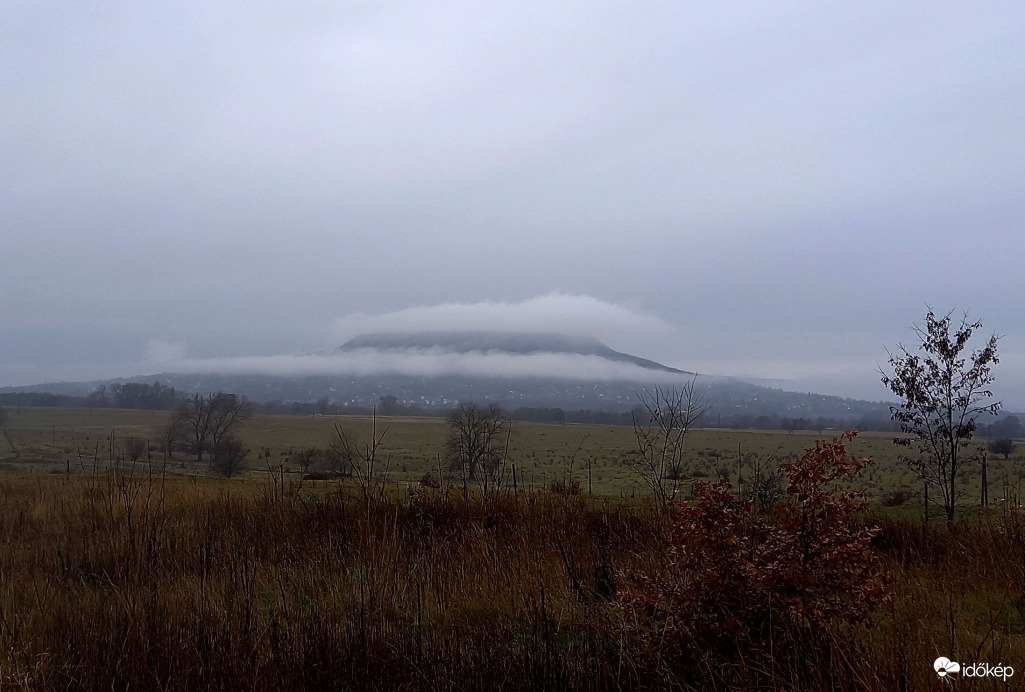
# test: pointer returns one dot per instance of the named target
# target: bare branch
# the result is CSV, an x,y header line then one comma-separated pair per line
x,y
670,414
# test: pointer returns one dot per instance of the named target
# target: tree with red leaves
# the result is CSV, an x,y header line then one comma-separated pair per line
x,y
943,393
732,574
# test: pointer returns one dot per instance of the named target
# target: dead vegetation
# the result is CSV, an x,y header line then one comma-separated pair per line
x,y
119,578
126,581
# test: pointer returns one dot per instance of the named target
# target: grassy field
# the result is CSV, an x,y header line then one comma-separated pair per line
x,y
116,582
7,450
60,440
116,578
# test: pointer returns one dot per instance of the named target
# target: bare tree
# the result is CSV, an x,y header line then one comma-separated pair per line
x,y
477,441
174,432
307,458
227,412
661,434
943,394
193,422
205,420
361,459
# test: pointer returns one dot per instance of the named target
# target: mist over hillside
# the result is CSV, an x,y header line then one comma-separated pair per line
x,y
519,343
432,371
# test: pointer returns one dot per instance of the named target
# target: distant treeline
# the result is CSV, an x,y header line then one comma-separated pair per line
x,y
710,420
161,397
155,397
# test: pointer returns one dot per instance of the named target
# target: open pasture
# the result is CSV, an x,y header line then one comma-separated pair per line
x,y
7,450
66,440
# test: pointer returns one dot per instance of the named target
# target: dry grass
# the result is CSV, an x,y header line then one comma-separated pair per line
x,y
117,582
118,577
55,440
120,581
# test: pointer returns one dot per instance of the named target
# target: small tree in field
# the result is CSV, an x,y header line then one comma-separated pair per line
x,y
203,421
229,455
475,437
1002,445
661,434
134,448
359,460
943,392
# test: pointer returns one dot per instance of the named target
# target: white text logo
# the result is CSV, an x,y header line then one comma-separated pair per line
x,y
944,666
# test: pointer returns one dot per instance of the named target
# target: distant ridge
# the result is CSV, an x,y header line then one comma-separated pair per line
x,y
518,343
438,389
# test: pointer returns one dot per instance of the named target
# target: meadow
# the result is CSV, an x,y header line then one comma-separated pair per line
x,y
161,575
69,440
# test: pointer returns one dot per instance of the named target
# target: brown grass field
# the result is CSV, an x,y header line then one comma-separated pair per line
x,y
162,576
54,440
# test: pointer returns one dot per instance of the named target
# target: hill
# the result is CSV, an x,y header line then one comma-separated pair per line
x,y
500,342
431,371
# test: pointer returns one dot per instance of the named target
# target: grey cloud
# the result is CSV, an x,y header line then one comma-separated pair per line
x,y
616,325
777,188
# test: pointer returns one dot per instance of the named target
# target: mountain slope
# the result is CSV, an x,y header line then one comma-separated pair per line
x,y
515,370
499,342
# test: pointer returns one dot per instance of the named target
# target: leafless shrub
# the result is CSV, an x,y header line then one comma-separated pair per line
x,y
768,490
361,460
134,448
229,455
661,434
559,487
896,498
309,458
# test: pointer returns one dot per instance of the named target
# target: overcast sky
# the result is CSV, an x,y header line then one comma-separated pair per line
x,y
773,190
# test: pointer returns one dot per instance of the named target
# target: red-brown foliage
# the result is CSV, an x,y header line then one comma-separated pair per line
x,y
732,575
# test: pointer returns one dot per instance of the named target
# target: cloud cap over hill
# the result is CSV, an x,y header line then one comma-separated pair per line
x,y
439,353
555,313
495,343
